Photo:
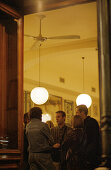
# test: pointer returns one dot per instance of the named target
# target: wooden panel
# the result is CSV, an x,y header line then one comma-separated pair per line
x,y
20,82
9,10
9,166
12,91
9,84
11,88
12,81
16,4
7,157
9,162
3,83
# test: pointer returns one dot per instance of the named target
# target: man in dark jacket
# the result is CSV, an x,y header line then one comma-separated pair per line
x,y
93,137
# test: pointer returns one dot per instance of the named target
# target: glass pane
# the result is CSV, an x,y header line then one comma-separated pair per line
x,y
9,92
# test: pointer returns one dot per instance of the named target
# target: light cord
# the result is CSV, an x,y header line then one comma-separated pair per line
x,y
83,72
39,63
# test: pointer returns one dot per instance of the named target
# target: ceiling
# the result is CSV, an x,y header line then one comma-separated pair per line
x,y
63,58
78,20
46,5
29,7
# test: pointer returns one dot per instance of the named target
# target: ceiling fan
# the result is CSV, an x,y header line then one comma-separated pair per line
x,y
41,38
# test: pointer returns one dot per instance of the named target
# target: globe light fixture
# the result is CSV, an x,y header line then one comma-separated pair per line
x,y
84,99
46,117
39,95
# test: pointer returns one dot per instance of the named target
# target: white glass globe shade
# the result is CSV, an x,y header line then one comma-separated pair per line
x,y
46,117
39,95
84,99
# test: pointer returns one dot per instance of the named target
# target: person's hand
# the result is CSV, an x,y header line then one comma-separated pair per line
x,y
69,152
57,145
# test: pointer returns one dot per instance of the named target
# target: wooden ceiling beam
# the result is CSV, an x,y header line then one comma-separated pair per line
x,y
46,5
34,6
9,10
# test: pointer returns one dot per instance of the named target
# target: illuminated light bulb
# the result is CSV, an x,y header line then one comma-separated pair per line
x,y
84,99
39,95
46,117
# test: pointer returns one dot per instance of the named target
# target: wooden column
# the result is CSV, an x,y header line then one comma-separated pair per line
x,y
104,40
3,82
11,88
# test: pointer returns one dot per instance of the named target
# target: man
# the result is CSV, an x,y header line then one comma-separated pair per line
x,y
38,134
93,137
59,134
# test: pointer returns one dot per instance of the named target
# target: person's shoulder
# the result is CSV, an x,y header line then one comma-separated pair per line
x,y
28,125
69,128
91,120
94,120
70,132
43,124
54,128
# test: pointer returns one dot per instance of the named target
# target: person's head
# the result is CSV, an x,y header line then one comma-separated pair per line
x,y
82,110
60,117
36,112
50,124
77,122
26,118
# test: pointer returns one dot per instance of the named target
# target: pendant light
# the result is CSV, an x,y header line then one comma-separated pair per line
x,y
84,99
39,95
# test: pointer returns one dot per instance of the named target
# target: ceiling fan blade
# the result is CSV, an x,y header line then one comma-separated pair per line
x,y
65,37
35,44
31,36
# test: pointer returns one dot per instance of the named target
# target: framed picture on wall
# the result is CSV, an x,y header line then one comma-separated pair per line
x,y
89,111
95,110
27,101
69,110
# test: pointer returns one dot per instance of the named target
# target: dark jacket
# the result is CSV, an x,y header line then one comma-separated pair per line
x,y
93,141
59,135
75,146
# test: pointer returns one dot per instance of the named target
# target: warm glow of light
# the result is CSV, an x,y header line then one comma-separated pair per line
x,y
39,95
84,99
46,117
